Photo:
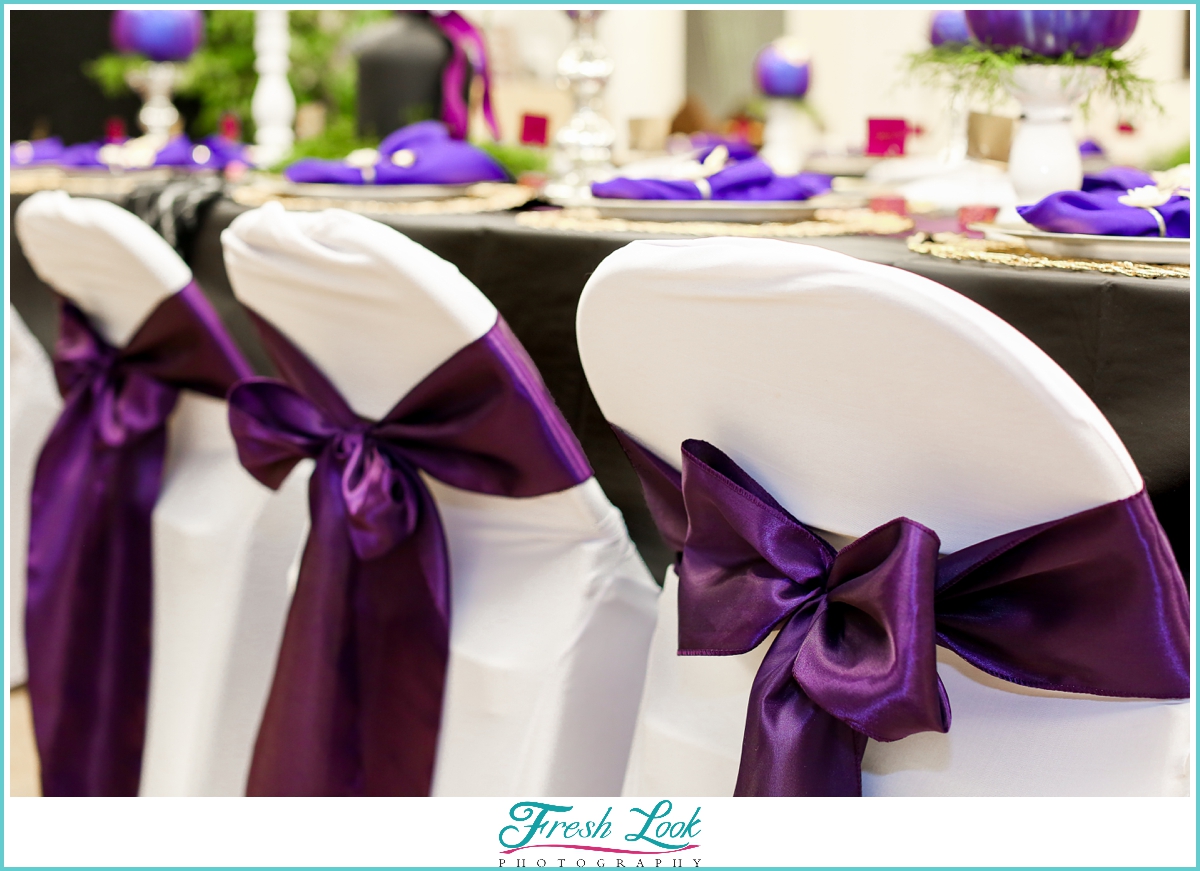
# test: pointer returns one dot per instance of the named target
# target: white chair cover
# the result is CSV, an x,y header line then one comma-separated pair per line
x,y
857,393
552,608
222,541
33,406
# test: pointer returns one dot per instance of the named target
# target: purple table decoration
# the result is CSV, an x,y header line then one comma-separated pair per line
x,y
159,34
948,27
783,69
422,153
356,702
745,180
164,36
90,573
1053,32
1091,603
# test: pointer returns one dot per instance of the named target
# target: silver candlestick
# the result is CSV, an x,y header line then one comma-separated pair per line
x,y
582,146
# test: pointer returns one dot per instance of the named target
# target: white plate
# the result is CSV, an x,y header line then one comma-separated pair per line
x,y
735,211
1138,249
392,192
841,164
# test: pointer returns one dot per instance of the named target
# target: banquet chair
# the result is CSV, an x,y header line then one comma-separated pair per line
x,y
551,608
854,394
221,541
33,407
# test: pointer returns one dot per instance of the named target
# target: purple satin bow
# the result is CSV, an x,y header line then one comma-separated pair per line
x,y
746,180
356,702
469,48
90,574
1091,603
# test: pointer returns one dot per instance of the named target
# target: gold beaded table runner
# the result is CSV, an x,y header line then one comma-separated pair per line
x,y
829,222
953,246
97,184
483,197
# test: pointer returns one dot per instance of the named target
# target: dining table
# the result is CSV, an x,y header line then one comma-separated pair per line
x,y
1126,341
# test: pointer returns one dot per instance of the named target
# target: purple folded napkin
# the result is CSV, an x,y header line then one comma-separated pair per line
x,y
1116,178
422,153
739,149
747,180
37,151
179,152
1101,213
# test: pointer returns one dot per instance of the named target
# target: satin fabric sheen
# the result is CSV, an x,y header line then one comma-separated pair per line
x,y
356,701
1091,603
746,180
437,159
90,572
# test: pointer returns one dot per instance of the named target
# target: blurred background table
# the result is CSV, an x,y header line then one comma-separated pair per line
x,y
1125,341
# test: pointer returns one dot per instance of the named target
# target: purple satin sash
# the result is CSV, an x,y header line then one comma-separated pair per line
x,y
90,573
469,48
1091,603
356,701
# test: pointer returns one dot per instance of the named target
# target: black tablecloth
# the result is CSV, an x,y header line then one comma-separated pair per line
x,y
1124,340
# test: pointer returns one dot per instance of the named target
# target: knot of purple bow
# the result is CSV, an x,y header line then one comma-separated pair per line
x,y
356,702
1091,603
126,401
382,495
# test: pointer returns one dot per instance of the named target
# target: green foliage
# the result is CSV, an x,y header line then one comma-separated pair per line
x,y
1172,159
339,139
516,159
984,73
221,76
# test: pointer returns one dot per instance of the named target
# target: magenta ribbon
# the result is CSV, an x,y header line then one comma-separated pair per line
x,y
90,572
1091,603
469,49
356,701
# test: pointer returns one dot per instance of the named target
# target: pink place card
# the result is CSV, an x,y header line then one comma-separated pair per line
x,y
885,136
534,129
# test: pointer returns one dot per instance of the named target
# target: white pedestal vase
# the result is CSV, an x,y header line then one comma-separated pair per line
x,y
788,136
1045,156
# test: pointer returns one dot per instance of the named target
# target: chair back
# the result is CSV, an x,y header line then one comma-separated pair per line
x,y
856,393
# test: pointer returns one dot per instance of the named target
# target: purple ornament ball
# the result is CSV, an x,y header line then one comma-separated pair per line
x,y
782,68
1053,32
160,34
949,26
